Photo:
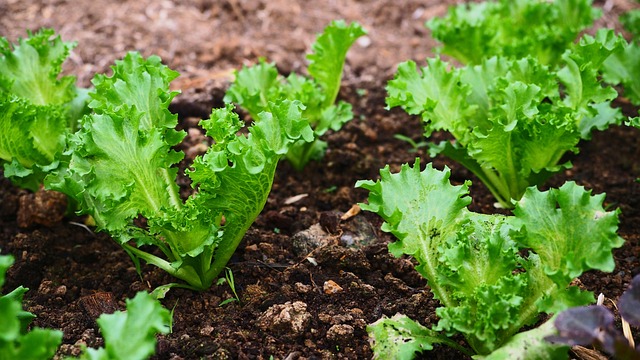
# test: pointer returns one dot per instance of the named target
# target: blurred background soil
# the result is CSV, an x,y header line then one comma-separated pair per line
x,y
67,267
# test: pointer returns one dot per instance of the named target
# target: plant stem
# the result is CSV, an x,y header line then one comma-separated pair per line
x,y
185,273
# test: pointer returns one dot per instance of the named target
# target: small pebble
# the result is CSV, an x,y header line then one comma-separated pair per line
x,y
331,287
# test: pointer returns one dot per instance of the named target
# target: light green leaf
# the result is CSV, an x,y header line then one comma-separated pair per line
x,y
254,87
511,122
38,344
580,74
15,341
477,269
329,52
5,263
235,176
121,169
400,338
258,86
30,70
38,108
437,94
131,335
530,345
473,32
623,67
422,222
569,229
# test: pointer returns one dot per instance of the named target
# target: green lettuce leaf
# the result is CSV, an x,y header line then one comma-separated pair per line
x,y
472,32
623,68
121,170
130,335
529,345
38,107
561,226
512,120
630,20
581,72
329,52
474,263
400,338
15,341
257,86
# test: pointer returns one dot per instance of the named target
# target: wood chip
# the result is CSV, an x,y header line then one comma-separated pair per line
x,y
295,199
97,304
355,210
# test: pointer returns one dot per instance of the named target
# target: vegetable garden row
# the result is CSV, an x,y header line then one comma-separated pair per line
x,y
517,87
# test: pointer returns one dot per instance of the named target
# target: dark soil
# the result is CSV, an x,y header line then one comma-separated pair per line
x,y
333,286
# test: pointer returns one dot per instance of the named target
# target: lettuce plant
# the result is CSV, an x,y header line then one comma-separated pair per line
x,y
121,170
512,120
15,341
256,87
623,68
493,274
131,335
38,107
473,32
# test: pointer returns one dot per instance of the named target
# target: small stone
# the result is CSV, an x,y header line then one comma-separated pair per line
x,y
310,239
60,290
288,318
325,318
340,332
331,287
252,247
302,288
207,330
342,318
364,41
46,287
357,232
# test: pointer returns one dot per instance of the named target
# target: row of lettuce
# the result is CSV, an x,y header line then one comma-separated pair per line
x,y
527,92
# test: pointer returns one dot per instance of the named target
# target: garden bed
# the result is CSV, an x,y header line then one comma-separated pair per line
x,y
308,281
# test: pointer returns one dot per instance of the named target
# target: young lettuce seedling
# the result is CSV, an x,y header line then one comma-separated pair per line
x,y
121,171
512,120
15,341
493,274
131,335
256,87
38,108
127,335
473,32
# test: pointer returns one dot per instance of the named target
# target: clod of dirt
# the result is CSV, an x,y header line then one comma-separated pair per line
x,y
44,207
288,318
48,288
330,220
302,288
341,333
